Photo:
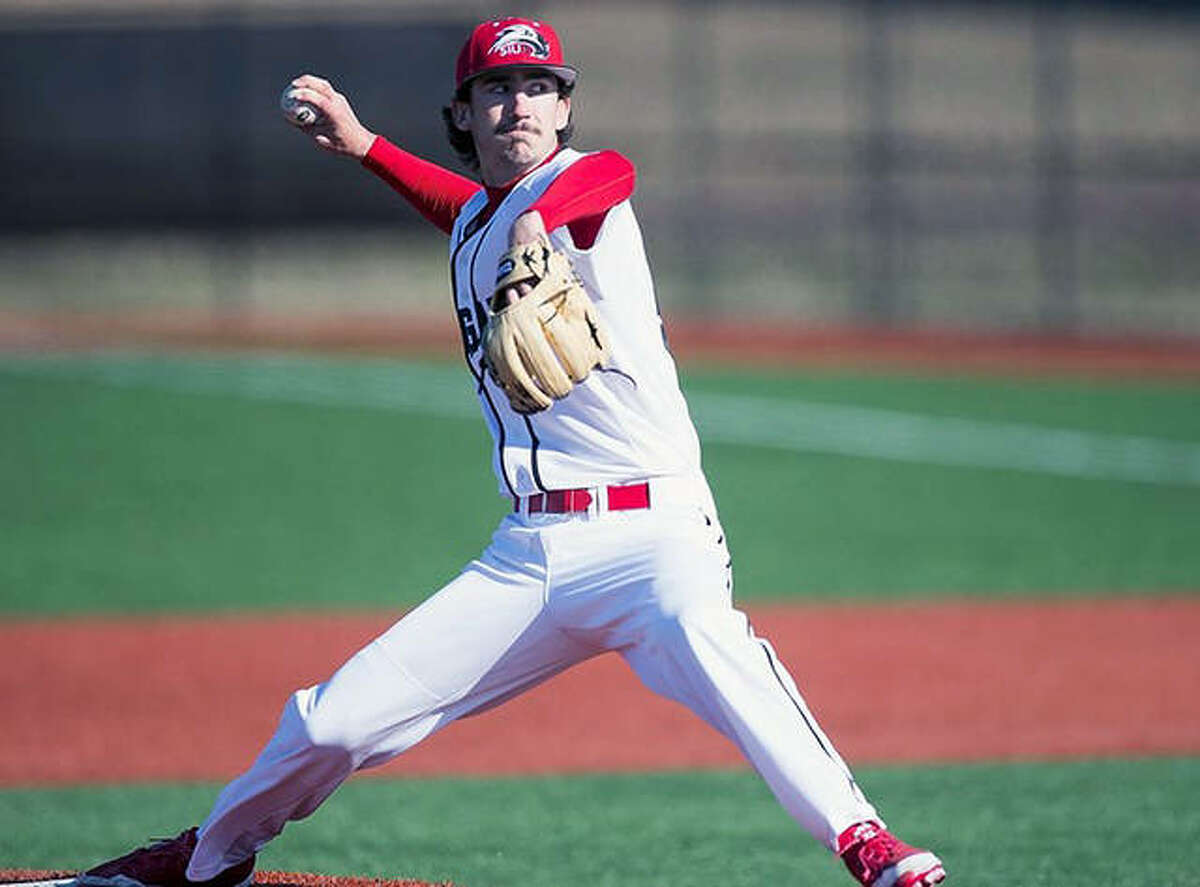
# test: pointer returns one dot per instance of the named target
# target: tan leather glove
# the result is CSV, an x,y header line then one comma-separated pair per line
x,y
538,348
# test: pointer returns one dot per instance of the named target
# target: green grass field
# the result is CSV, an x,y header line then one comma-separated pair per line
x,y
194,484
175,483
1034,824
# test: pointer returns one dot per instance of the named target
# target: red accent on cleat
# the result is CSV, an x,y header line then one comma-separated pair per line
x,y
876,858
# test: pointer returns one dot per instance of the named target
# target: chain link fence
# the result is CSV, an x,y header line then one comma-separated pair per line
x,y
1027,168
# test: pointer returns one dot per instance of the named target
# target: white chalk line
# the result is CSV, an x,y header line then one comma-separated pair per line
x,y
745,420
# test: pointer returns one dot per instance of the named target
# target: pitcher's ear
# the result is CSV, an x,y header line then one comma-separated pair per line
x,y
460,112
562,112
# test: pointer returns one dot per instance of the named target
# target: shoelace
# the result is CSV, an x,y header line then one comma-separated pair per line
x,y
155,843
181,840
880,850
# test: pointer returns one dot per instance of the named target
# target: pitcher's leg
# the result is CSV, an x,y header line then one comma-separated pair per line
x,y
320,740
480,640
686,641
709,659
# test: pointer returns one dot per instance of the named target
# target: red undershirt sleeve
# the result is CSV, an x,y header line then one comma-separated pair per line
x,y
583,194
434,191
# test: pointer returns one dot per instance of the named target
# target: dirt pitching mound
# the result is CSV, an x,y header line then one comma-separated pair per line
x,y
31,877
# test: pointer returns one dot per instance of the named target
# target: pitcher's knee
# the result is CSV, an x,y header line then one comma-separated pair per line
x,y
321,730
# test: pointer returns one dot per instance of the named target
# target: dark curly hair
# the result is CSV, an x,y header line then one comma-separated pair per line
x,y
462,142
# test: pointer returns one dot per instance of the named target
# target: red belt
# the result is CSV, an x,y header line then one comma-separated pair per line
x,y
620,498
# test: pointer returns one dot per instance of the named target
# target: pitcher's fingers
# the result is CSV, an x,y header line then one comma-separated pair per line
x,y
312,81
317,99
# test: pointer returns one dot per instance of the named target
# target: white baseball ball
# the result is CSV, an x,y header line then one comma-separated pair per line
x,y
298,112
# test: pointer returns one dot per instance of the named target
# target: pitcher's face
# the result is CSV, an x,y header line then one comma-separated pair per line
x,y
514,117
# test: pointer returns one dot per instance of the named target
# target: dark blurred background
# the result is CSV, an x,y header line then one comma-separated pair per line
x,y
985,167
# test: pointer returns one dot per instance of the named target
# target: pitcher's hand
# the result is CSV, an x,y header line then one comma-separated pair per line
x,y
526,228
337,128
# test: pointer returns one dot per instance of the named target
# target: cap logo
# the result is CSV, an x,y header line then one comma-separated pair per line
x,y
518,40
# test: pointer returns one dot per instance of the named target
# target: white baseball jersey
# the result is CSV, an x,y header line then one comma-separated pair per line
x,y
651,582
626,421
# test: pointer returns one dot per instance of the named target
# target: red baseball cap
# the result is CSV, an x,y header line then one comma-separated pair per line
x,y
511,43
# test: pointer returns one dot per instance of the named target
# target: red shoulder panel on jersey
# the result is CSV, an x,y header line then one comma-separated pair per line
x,y
583,194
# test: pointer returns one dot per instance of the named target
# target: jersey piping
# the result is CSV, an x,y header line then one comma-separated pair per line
x,y
481,385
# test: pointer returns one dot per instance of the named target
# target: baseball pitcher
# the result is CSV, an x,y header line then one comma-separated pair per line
x,y
612,542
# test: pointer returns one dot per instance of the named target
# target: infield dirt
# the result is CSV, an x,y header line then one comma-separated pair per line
x,y
699,340
189,698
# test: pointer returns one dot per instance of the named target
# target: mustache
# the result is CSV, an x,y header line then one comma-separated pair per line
x,y
516,126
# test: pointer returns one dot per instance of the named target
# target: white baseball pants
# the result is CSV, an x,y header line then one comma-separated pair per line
x,y
549,592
